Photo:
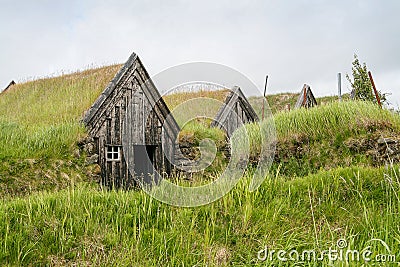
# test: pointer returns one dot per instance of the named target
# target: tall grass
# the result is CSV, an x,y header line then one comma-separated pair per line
x,y
55,100
337,117
54,141
320,138
199,129
84,226
344,119
39,127
41,118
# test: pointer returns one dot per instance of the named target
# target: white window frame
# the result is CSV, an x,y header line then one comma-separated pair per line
x,y
113,153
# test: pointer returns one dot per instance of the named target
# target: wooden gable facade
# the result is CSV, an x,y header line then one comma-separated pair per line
x,y
306,98
235,112
130,115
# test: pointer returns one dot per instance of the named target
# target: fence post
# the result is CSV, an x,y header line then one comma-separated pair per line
x,y
375,91
339,77
264,96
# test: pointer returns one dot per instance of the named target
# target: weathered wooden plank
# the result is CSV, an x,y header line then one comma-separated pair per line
x,y
306,98
108,131
236,104
117,126
110,88
132,85
117,174
102,161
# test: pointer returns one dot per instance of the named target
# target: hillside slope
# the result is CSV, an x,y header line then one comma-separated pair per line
x,y
40,127
334,178
82,226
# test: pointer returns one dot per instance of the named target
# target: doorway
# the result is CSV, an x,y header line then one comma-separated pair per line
x,y
144,160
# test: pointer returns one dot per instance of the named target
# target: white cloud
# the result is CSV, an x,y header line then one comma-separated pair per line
x,y
295,42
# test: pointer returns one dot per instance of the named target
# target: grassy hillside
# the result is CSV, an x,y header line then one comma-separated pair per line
x,y
282,101
329,136
330,180
82,226
39,127
43,116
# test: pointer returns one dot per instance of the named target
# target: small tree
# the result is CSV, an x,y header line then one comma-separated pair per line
x,y
361,84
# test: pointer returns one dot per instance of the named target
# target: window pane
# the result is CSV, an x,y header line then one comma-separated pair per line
x,y
113,153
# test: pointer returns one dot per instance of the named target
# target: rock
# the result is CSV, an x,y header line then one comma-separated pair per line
x,y
382,141
88,148
85,140
96,170
92,159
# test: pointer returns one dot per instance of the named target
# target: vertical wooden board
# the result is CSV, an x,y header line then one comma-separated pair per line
x,y
104,179
245,116
148,122
168,145
148,138
96,144
161,162
131,119
123,112
123,104
102,161
232,122
136,125
141,125
124,172
109,174
125,119
117,174
134,118
108,131
117,126
153,130
167,166
158,161
159,131
237,107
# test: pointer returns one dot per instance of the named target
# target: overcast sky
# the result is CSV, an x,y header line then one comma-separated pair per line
x,y
294,42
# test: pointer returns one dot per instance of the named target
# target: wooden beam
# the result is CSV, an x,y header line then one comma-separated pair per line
x,y
375,91
265,92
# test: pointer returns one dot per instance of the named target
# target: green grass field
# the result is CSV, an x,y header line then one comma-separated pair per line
x,y
320,188
84,226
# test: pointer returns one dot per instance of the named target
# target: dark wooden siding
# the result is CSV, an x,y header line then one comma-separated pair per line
x,y
236,111
128,102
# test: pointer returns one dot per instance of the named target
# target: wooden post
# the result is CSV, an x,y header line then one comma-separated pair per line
x,y
305,97
375,91
264,97
339,86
